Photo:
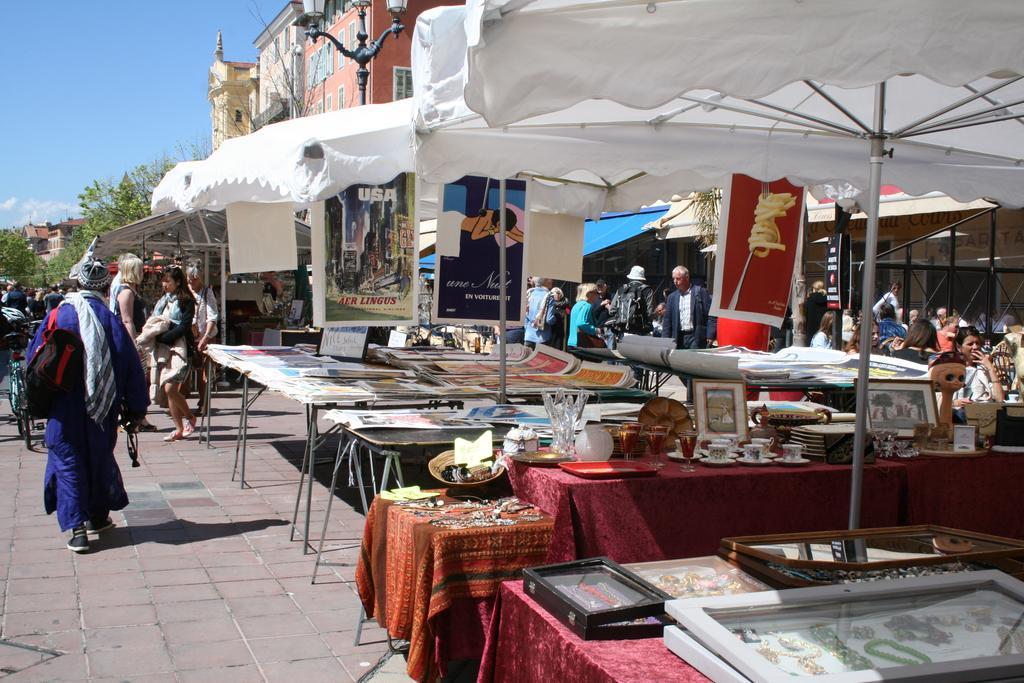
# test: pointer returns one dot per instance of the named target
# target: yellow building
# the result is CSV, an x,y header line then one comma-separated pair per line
x,y
233,89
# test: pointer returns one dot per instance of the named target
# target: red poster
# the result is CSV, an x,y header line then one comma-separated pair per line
x,y
758,244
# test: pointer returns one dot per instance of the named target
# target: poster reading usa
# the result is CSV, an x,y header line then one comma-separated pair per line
x,y
467,279
759,237
370,255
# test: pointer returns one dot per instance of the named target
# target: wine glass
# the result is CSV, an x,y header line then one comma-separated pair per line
x,y
629,436
688,448
656,436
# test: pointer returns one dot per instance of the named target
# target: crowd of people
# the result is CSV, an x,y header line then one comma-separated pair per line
x,y
598,318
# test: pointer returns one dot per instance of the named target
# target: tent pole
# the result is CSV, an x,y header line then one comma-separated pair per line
x,y
867,296
223,297
502,293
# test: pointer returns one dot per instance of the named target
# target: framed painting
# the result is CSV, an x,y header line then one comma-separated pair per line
x,y
721,408
901,404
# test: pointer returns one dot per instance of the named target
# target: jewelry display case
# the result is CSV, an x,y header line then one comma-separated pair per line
x,y
598,599
696,577
865,555
941,629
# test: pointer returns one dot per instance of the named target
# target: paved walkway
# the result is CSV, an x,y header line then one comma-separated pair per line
x,y
199,581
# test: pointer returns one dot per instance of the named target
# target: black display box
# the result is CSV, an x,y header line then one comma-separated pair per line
x,y
598,599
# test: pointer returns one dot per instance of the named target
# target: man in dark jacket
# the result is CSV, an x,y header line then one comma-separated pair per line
x,y
687,318
632,309
16,299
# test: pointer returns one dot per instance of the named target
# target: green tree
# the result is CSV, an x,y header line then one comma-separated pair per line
x,y
17,260
106,205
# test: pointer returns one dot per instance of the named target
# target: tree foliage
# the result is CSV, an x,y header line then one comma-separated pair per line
x,y
707,207
108,204
17,260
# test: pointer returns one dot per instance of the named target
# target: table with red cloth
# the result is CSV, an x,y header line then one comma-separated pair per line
x,y
435,586
977,494
686,514
525,643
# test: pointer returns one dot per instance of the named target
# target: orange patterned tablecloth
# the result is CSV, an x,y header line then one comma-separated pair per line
x,y
411,571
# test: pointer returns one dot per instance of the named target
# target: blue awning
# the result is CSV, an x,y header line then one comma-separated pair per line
x,y
614,228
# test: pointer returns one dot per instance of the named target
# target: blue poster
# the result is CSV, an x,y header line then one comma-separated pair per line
x,y
466,285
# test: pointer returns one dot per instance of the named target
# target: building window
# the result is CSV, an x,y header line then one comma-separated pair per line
x,y
330,103
351,37
403,82
238,116
341,97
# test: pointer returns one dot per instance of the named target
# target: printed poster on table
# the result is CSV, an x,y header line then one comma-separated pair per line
x,y
370,255
758,244
467,282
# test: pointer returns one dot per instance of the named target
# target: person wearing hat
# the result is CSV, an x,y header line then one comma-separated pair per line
x,y
82,483
687,313
632,309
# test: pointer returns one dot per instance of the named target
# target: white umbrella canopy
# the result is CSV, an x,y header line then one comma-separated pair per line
x,y
933,84
300,160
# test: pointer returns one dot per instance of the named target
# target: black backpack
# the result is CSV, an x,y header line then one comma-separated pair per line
x,y
630,312
58,367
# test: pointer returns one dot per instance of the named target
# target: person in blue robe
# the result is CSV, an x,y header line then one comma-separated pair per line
x,y
83,482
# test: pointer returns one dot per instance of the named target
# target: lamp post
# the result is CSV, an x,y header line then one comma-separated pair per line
x,y
313,15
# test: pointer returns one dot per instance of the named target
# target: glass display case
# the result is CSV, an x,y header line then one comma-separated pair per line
x,y
696,577
964,627
864,555
598,599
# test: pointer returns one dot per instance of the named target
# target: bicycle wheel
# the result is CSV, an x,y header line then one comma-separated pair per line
x,y
19,403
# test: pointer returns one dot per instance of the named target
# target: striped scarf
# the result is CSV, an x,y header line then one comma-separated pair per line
x,y
100,388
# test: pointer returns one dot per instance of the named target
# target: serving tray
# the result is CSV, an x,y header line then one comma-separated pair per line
x,y
609,469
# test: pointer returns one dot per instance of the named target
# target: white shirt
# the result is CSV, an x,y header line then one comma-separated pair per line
x,y
206,309
686,311
888,298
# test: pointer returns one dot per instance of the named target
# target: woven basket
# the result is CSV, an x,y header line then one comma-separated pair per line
x,y
439,462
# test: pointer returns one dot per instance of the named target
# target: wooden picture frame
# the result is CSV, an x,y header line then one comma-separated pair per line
x,y
721,407
900,404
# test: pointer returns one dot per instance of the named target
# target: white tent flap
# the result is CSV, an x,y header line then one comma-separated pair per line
x,y
555,248
261,237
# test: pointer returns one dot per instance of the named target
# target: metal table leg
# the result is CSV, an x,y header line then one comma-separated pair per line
x,y
302,474
241,424
207,404
313,438
343,448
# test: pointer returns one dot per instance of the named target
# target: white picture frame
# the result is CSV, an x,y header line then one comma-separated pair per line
x,y
710,639
721,407
899,404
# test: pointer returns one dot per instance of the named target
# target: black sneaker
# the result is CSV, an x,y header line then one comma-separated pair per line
x,y
79,542
94,527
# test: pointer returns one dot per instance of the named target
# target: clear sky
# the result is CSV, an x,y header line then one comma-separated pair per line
x,y
92,89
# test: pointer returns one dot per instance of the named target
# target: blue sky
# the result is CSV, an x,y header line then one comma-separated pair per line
x,y
92,89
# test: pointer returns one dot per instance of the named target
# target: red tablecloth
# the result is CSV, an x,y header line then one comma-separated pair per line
x,y
679,514
527,644
433,586
977,494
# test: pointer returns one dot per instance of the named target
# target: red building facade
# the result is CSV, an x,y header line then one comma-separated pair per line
x,y
331,78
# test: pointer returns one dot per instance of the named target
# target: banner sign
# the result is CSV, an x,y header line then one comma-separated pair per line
x,y
370,255
834,273
466,285
758,245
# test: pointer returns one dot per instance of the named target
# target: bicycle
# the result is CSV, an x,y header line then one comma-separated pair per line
x,y
17,342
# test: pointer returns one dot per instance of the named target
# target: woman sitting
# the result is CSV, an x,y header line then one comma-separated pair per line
x,y
178,305
981,381
853,346
822,339
581,318
919,344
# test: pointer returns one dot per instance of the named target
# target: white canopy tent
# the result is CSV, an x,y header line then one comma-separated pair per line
x,y
809,90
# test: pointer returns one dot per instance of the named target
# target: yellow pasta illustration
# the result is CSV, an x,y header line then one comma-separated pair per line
x,y
764,236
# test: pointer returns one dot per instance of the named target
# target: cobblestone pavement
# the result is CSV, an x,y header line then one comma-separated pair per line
x,y
198,582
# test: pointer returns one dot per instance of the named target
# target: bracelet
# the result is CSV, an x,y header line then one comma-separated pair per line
x,y
873,647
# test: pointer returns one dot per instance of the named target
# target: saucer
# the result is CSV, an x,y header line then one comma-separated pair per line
x,y
792,463
759,461
676,455
728,462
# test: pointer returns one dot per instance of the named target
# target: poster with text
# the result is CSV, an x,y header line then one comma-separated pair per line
x,y
466,285
758,244
370,255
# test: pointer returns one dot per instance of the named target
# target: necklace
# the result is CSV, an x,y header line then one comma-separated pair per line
x,y
829,639
874,648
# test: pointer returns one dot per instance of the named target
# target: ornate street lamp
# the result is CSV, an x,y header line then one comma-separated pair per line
x,y
313,15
